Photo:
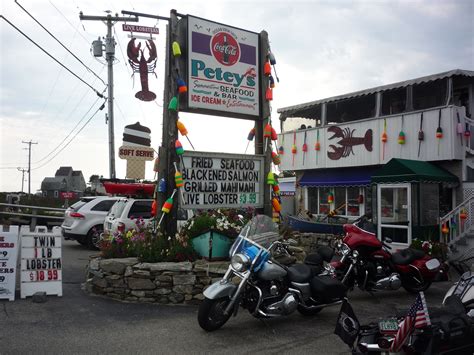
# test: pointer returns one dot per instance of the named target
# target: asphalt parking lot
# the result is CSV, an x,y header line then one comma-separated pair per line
x,y
78,323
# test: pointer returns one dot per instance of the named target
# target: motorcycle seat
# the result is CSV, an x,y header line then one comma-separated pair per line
x,y
406,256
300,273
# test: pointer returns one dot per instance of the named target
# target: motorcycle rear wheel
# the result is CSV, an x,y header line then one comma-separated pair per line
x,y
413,286
211,313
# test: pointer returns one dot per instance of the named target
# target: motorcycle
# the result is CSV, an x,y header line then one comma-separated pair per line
x,y
369,263
451,330
256,281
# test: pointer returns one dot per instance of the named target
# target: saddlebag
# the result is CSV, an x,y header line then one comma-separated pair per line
x,y
327,289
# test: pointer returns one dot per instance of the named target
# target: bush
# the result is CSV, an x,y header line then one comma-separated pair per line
x,y
435,249
147,246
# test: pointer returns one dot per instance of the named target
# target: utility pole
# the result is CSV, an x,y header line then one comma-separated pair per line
x,y
29,163
23,171
110,56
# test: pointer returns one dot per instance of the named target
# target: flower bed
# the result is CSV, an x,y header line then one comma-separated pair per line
x,y
128,279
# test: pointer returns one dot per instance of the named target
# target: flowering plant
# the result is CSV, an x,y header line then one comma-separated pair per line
x,y
435,249
228,222
143,243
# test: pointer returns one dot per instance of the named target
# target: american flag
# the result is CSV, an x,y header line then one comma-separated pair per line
x,y
417,317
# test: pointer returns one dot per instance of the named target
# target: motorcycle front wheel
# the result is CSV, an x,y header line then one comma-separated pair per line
x,y
413,286
211,313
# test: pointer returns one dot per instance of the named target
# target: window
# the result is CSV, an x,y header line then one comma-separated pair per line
x,y
394,101
56,193
140,209
103,206
347,200
430,94
351,109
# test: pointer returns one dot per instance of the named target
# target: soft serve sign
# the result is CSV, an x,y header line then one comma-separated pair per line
x,y
223,68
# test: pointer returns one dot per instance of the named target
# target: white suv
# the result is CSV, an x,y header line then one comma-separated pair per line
x,y
84,220
125,212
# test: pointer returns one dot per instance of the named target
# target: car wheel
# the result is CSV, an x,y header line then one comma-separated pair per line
x,y
94,237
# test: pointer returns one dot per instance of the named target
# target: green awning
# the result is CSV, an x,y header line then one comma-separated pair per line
x,y
404,170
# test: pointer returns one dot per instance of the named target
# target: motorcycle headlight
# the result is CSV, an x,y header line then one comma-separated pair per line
x,y
345,250
240,262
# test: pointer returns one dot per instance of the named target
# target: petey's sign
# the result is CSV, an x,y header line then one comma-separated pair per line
x,y
41,262
215,180
223,70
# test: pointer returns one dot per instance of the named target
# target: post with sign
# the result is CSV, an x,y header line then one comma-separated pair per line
x,y
8,261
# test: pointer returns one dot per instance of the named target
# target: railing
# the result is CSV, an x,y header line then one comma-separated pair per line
x,y
8,209
470,138
457,223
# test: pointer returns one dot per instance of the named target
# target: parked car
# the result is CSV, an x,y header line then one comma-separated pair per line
x,y
84,220
125,212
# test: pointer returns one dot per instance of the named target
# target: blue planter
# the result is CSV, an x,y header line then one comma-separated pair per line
x,y
212,245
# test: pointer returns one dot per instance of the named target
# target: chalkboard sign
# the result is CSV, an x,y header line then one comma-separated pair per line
x,y
216,180
41,262
8,260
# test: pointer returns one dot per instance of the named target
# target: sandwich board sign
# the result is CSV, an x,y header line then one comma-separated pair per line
x,y
8,262
41,262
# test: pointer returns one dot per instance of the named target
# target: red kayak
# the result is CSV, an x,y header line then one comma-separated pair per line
x,y
116,188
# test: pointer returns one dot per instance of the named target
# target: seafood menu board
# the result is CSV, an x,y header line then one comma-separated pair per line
x,y
8,260
216,180
41,262
223,69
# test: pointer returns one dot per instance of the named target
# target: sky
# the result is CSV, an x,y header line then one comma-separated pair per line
x,y
322,49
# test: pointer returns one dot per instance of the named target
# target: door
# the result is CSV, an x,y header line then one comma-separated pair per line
x,y
394,214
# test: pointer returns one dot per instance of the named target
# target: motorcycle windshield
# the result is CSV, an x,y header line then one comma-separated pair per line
x,y
256,238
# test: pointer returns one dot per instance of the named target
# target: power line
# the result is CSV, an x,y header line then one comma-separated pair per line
x,y
75,135
46,52
62,45
72,130
69,22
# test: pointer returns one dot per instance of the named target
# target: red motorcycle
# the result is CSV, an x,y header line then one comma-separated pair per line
x,y
368,262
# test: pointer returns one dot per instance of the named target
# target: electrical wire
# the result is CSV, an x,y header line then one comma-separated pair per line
x,y
62,45
75,135
75,29
57,61
72,130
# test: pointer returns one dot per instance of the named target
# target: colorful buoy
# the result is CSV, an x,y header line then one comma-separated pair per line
x,y
276,204
173,105
181,128
384,137
167,206
444,229
276,189
271,179
281,150
153,208
273,135
176,49
179,147
267,132
269,94
271,81
267,69
463,215
439,133
401,137
276,158
162,185
182,88
330,198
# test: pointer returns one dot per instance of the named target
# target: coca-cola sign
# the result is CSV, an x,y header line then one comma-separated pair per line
x,y
225,48
223,70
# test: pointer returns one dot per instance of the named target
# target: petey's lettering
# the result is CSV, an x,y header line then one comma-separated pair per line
x,y
199,67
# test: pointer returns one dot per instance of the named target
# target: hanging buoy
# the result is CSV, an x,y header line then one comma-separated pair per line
x,y
274,135
330,198
276,204
439,133
182,88
421,135
276,189
269,94
176,49
178,179
162,185
281,150
276,158
271,81
293,149
179,147
384,137
305,147
181,128
401,137
271,179
173,105
167,206
317,146
267,69
463,215
444,229
267,132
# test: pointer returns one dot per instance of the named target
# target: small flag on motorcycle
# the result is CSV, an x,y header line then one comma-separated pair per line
x,y
347,326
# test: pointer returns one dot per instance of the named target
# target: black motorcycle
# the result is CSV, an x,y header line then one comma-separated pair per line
x,y
258,282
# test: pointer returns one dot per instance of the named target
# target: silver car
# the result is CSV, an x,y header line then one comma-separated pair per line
x,y
84,220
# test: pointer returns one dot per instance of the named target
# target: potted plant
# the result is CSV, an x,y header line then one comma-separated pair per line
x,y
212,232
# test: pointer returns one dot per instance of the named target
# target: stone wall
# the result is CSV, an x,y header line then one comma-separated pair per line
x,y
129,280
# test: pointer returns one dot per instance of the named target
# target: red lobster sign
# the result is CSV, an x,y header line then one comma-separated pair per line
x,y
347,141
136,59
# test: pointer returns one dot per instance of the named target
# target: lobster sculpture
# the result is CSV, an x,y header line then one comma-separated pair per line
x,y
142,66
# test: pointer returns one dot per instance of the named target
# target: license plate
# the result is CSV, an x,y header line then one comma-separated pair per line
x,y
388,326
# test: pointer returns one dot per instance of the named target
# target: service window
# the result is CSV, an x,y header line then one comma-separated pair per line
x,y
140,209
